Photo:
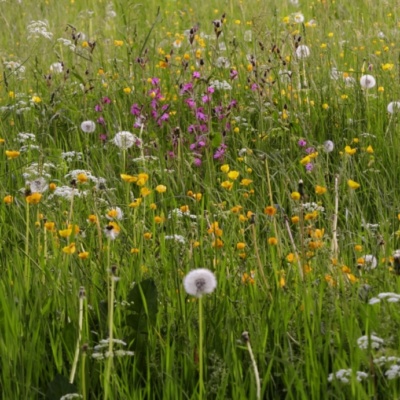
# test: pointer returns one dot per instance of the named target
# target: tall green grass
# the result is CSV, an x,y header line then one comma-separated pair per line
x,y
304,304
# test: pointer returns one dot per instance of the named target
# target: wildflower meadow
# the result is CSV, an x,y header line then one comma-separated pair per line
x,y
199,200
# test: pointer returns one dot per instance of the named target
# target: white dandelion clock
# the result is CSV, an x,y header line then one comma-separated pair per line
x,y
199,282
125,140
367,81
393,107
329,146
88,126
303,51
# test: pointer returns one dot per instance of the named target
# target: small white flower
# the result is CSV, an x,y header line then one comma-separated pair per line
x,y
222,46
88,126
393,107
373,301
247,36
329,146
199,282
303,51
298,18
220,85
56,68
367,81
124,140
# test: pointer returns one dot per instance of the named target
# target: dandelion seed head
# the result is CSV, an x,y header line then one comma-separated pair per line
x,y
303,51
393,107
367,81
88,126
199,282
125,140
329,146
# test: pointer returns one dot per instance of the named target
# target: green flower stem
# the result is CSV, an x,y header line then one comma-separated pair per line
x,y
201,377
27,271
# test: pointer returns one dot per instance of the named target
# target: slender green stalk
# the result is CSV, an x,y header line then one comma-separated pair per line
x,y
82,296
201,370
110,354
246,339
27,272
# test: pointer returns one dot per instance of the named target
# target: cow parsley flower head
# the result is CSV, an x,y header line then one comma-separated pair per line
x,y
393,107
367,81
374,341
199,282
124,140
88,126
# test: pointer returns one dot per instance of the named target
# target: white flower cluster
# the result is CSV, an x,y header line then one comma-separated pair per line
x,y
176,238
311,207
373,341
176,212
72,156
67,192
36,169
383,360
99,354
144,159
74,174
220,85
344,375
390,297
222,62
15,67
67,43
393,372
37,29
24,137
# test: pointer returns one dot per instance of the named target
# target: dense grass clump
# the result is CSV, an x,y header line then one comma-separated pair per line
x,y
199,200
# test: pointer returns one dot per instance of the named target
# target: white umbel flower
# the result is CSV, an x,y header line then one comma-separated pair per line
x,y
199,282
393,107
88,126
367,81
124,140
374,341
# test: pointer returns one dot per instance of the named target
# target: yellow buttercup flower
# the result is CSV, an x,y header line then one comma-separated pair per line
x,y
33,198
320,190
161,189
348,150
12,154
295,196
225,168
8,199
233,175
352,184
70,249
